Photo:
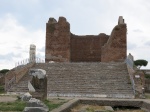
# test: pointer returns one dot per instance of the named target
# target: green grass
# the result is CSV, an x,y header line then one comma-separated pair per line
x,y
2,89
90,110
147,76
51,105
19,105
147,95
12,106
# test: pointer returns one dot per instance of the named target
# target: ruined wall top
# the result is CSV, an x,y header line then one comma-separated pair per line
x,y
60,20
52,21
64,46
121,20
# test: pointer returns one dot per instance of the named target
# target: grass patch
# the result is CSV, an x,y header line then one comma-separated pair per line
x,y
12,106
2,89
19,105
147,76
52,105
147,95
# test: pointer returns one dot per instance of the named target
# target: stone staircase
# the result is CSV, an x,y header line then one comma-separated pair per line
x,y
83,80
88,79
21,86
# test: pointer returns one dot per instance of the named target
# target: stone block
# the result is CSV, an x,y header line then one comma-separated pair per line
x,y
26,97
35,109
35,105
30,87
33,102
40,73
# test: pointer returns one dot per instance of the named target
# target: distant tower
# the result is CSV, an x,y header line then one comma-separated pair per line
x,y
32,53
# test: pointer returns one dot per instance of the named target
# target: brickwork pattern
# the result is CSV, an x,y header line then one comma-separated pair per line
x,y
115,48
63,46
87,48
57,40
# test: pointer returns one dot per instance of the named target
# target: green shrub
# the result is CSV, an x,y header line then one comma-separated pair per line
x,y
147,76
2,89
51,105
4,71
140,63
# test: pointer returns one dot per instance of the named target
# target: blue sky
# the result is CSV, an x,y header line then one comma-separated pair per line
x,y
23,22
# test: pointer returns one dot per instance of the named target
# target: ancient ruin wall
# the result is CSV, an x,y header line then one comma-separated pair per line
x,y
115,48
62,46
57,40
87,48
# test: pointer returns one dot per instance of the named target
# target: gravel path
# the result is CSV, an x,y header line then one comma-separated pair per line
x,y
7,98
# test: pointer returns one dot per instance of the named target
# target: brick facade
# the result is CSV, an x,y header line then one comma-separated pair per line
x,y
57,40
87,48
63,46
115,48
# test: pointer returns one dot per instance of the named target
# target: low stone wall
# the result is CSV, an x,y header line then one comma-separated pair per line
x,y
67,106
143,104
147,85
22,71
14,75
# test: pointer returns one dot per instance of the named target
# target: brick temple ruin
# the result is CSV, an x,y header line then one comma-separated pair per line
x,y
80,66
64,46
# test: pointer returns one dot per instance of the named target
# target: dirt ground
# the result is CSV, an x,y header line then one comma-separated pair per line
x,y
7,98
96,108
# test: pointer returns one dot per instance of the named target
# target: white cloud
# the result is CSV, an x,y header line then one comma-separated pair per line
x,y
85,17
16,39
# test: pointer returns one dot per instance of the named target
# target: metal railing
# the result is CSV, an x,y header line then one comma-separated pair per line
x,y
130,71
11,76
27,61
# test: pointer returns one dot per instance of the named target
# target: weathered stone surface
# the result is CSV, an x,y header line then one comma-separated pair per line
x,y
130,61
88,80
120,20
26,97
58,41
109,108
35,109
52,21
40,73
115,49
30,87
33,102
67,107
35,105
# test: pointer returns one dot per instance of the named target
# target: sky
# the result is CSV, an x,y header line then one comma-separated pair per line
x,y
23,22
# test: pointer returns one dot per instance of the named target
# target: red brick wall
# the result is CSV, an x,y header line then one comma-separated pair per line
x,y
87,48
57,40
62,46
115,48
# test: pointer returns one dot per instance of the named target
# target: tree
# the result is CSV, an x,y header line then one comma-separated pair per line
x,y
4,71
140,63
